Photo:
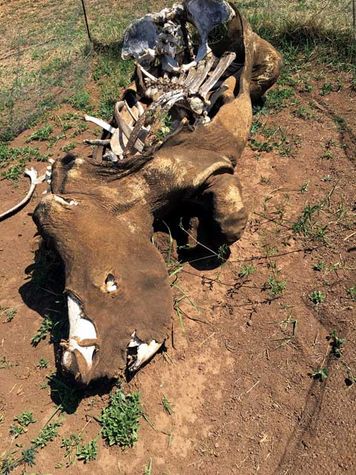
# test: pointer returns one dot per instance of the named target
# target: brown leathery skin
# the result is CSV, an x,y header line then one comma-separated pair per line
x,y
109,229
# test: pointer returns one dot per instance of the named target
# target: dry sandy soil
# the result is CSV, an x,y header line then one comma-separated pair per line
x,y
239,374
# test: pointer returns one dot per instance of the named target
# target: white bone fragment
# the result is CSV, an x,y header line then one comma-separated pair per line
x,y
96,142
111,284
110,156
115,145
79,329
101,123
140,108
130,111
35,180
223,64
144,352
64,202
146,73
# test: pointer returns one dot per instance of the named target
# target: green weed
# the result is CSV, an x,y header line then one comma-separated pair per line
x,y
246,270
306,224
319,266
68,147
70,445
303,112
19,155
43,363
352,293
317,297
8,312
279,98
41,134
336,343
28,456
321,374
24,419
44,330
80,100
274,286
47,434
167,405
148,468
87,452
120,420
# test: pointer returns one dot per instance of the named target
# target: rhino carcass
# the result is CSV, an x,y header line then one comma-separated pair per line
x,y
99,214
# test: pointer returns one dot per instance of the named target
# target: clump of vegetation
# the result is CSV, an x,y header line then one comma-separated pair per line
x,y
167,405
68,147
24,420
41,334
8,312
317,297
120,420
306,226
352,293
47,434
319,266
19,155
336,343
321,374
42,363
71,444
41,134
274,286
87,452
80,100
148,468
28,456
246,270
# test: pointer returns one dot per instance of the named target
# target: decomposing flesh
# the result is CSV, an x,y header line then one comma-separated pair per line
x,y
175,138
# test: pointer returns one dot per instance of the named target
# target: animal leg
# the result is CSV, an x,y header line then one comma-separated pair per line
x,y
267,64
222,197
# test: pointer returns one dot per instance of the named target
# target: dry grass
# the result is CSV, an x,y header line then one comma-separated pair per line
x,y
46,58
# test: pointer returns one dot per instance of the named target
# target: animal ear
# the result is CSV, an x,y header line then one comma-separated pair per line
x,y
111,283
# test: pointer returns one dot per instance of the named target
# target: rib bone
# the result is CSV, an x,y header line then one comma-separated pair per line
x,y
223,64
35,180
100,122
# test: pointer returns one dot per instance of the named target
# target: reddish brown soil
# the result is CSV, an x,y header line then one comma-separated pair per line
x,y
238,379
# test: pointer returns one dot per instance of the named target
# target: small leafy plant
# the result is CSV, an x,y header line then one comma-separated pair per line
x,y
167,405
70,444
43,363
8,312
47,434
321,374
24,419
336,343
120,420
274,286
246,270
29,456
317,297
319,266
352,293
41,134
87,452
41,334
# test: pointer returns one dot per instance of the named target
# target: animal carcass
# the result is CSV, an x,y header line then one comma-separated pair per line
x,y
198,64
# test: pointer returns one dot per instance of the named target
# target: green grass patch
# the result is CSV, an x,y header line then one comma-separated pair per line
x,y
120,420
41,134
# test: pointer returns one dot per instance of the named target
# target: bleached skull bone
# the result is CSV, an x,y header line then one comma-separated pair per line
x,y
83,337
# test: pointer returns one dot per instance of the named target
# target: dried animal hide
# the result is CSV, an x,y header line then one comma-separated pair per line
x,y
175,138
